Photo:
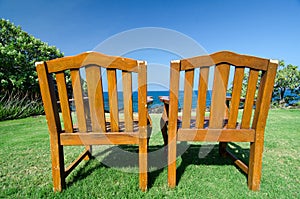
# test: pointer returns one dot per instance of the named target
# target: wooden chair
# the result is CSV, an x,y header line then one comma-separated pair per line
x,y
93,128
218,127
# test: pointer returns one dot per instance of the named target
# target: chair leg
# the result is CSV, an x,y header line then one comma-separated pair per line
x,y
143,163
58,168
149,131
222,149
164,130
88,157
172,159
255,166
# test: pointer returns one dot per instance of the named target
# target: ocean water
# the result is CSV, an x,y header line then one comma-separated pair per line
x,y
156,102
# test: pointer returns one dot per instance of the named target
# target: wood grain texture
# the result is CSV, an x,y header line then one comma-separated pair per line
x,y
91,58
96,100
172,128
48,97
127,97
227,57
64,102
92,108
143,113
113,99
54,126
201,102
259,123
217,131
218,100
236,95
250,95
187,100
78,98
216,135
91,138
142,95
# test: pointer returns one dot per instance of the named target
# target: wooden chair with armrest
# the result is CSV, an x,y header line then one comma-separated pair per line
x,y
90,126
220,127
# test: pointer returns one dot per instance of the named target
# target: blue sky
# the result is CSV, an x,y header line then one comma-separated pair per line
x,y
263,28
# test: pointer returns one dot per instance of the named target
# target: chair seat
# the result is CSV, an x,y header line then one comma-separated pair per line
x,y
206,123
108,137
135,126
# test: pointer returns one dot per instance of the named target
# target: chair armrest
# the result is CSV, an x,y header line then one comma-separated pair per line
x,y
149,100
164,99
242,99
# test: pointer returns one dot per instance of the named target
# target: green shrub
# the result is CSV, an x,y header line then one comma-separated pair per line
x,y
13,106
18,52
275,104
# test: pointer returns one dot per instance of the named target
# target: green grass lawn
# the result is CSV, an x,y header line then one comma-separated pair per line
x,y
25,170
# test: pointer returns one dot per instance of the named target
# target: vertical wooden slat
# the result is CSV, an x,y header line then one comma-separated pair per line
x,y
78,98
143,112
64,102
127,99
187,100
113,99
235,98
250,95
259,98
259,123
172,128
96,102
264,95
53,121
202,91
48,97
218,101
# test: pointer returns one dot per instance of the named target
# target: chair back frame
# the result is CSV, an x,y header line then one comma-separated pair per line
x,y
222,125
89,127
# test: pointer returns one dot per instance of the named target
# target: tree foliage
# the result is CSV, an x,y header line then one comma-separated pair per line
x,y
287,78
18,53
245,83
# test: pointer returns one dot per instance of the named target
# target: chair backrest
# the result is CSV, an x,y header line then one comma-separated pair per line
x,y
223,62
89,95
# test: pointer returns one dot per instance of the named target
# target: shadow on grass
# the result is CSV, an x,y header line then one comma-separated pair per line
x,y
121,157
208,154
125,158
81,173
240,152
